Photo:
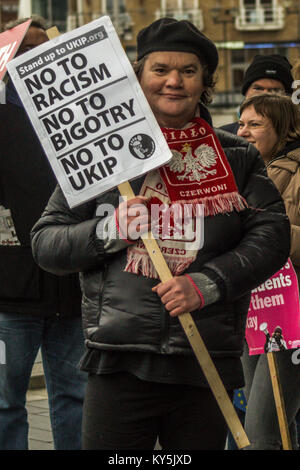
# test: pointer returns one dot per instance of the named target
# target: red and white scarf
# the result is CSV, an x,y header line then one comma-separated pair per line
x,y
197,181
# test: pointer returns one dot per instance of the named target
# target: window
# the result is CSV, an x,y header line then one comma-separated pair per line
x,y
182,10
267,6
250,11
115,7
120,17
180,5
54,11
258,11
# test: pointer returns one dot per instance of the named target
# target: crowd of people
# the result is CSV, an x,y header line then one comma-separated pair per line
x,y
138,382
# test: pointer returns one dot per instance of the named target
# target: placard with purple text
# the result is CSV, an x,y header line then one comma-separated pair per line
x,y
273,322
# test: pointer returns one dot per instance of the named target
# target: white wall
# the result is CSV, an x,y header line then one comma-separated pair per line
x,y
221,117
25,9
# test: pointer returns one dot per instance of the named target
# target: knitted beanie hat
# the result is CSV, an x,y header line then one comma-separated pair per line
x,y
168,34
274,66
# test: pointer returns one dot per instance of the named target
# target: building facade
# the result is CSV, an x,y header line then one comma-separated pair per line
x,y
240,28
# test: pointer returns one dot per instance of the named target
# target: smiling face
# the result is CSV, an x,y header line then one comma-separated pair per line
x,y
259,131
173,84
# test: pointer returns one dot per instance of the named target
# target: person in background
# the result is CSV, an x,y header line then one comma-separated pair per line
x,y
265,74
37,309
144,380
272,124
296,100
275,342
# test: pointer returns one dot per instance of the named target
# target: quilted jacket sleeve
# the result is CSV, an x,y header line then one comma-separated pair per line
x,y
285,172
64,240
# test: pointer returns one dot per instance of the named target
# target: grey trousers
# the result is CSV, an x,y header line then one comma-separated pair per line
x,y
261,421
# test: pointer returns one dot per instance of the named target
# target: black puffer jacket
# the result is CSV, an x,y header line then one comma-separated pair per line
x,y
240,251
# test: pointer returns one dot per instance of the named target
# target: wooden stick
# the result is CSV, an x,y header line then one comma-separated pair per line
x,y
52,32
279,402
196,342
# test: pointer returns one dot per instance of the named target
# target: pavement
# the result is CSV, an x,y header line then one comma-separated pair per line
x,y
40,435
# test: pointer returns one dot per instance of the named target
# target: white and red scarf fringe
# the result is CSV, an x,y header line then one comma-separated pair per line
x,y
199,179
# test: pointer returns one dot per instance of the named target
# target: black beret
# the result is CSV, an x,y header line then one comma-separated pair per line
x,y
275,66
168,34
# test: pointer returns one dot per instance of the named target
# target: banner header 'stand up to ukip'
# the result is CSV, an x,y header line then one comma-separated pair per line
x,y
89,111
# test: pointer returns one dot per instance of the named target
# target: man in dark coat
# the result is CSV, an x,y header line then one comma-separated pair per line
x,y
37,309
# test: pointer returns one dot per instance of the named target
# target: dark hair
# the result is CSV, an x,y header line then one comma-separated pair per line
x,y
281,111
209,80
37,22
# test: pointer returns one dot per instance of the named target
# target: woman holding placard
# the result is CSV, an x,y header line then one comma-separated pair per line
x,y
144,381
272,124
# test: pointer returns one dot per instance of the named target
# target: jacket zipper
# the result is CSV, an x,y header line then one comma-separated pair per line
x,y
165,331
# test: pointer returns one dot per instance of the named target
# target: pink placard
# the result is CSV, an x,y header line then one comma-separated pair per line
x,y
10,42
273,321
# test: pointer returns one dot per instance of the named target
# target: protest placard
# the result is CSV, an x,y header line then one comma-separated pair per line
x,y
273,321
273,324
89,111
10,41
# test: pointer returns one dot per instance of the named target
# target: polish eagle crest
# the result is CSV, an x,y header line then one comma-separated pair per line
x,y
194,169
